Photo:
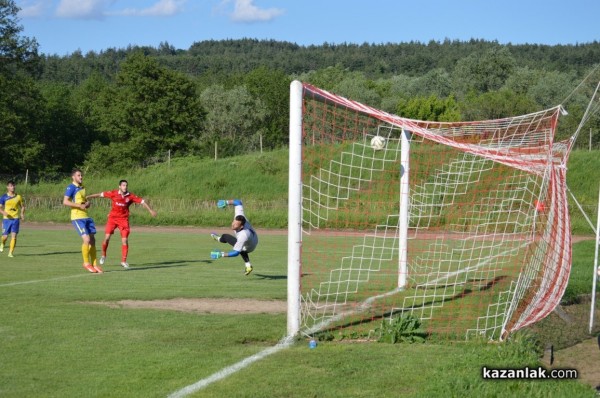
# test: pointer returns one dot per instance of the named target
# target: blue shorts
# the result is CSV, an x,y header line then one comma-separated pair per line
x,y
10,225
84,226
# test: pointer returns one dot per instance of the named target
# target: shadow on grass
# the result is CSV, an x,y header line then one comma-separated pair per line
x,y
271,277
47,254
166,264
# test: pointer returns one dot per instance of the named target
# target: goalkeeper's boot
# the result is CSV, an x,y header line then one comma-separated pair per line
x,y
248,270
90,268
102,260
215,237
125,265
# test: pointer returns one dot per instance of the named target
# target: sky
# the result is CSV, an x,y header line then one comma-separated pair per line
x,y
62,27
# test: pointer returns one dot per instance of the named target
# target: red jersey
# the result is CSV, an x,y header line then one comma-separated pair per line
x,y
121,203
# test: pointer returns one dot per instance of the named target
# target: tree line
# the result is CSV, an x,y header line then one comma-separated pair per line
x,y
110,111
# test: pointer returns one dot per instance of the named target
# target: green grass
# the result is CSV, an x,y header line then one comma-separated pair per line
x,y
58,342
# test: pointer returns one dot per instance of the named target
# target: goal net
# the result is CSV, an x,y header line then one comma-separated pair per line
x,y
462,225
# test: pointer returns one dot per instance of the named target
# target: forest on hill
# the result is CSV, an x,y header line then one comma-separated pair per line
x,y
119,108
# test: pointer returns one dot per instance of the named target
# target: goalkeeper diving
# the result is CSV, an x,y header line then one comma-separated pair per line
x,y
245,239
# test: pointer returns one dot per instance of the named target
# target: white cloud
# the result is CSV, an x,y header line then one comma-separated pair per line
x,y
160,8
32,8
246,11
84,9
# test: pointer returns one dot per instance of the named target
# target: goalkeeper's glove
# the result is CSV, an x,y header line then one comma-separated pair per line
x,y
216,254
221,203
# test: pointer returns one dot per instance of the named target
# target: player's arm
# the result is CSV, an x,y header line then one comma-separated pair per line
x,y
5,214
215,254
22,209
95,195
222,203
69,203
147,206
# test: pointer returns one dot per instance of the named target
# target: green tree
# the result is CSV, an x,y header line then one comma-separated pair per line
x,y
234,119
272,88
17,53
429,108
21,106
483,73
496,105
149,110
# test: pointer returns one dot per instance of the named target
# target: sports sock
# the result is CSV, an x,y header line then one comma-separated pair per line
x,y
124,252
13,243
93,254
85,251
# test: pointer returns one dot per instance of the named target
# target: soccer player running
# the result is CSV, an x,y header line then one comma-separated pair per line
x,y
10,204
245,239
84,225
119,218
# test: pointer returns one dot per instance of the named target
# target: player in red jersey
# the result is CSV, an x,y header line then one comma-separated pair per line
x,y
119,218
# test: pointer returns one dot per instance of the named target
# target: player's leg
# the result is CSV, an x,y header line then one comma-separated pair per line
x,y
125,230
13,244
227,238
5,228
79,226
85,252
14,230
91,228
108,231
247,264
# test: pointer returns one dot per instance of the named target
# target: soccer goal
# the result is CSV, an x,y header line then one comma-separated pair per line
x,y
464,225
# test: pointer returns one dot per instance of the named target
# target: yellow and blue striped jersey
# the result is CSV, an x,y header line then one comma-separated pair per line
x,y
76,194
12,205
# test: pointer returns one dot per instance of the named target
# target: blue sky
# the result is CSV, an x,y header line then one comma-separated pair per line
x,y
64,26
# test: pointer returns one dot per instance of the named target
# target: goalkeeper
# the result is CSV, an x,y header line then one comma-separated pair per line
x,y
245,239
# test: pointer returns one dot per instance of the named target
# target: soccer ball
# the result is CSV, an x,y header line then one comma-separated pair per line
x,y
377,143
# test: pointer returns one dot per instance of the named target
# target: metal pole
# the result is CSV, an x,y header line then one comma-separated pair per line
x,y
294,209
403,222
593,304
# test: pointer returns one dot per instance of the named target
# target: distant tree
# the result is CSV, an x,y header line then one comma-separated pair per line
x,y
21,106
148,110
358,88
17,53
429,108
483,73
271,88
234,119
495,105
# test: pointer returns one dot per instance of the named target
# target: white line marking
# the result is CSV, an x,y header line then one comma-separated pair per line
x,y
228,371
42,280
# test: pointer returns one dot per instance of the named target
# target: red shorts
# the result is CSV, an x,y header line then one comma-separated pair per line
x,y
121,223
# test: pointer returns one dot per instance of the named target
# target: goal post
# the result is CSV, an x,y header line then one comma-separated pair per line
x,y
461,225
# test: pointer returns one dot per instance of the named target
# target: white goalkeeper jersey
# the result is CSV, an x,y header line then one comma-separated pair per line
x,y
247,239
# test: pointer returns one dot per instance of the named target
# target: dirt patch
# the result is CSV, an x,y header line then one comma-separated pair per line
x,y
567,330
204,306
585,357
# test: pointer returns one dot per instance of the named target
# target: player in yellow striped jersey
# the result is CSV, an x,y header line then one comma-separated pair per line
x,y
84,225
12,207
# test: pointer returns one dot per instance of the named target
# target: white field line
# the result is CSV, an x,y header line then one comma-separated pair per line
x,y
42,280
228,371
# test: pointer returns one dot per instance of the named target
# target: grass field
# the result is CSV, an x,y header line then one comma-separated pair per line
x,y
67,333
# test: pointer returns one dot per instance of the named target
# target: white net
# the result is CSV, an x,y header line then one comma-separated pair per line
x,y
488,248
